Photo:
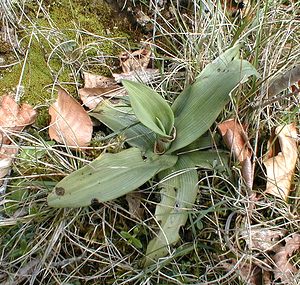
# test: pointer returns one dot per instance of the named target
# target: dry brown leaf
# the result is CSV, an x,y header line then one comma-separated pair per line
x,y
285,270
145,75
236,140
13,118
262,239
249,272
132,61
97,86
94,80
7,154
134,203
280,168
70,124
284,81
91,97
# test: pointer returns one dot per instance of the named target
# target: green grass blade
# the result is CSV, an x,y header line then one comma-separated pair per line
x,y
198,106
150,108
108,177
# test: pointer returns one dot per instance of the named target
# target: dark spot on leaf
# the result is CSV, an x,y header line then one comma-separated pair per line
x,y
59,191
95,202
219,69
144,157
175,189
241,5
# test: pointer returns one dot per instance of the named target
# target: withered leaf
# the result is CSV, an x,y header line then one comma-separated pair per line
x,y
284,81
250,273
285,270
91,97
144,75
236,140
280,168
7,154
132,61
262,239
94,80
97,86
70,124
13,118
134,203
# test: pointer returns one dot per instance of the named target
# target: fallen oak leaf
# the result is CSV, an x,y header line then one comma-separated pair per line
x,y
70,124
280,168
236,140
285,270
13,118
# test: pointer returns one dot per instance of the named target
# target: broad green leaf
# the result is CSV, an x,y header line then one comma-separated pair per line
x,y
150,108
198,106
177,198
209,159
120,118
108,177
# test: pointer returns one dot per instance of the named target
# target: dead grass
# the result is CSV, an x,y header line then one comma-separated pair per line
x,y
41,245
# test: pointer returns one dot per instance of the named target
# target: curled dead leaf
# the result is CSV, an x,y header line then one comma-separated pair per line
x,y
13,118
262,239
7,154
94,80
145,75
70,124
280,168
134,203
284,81
285,270
236,140
250,273
91,97
136,60
96,87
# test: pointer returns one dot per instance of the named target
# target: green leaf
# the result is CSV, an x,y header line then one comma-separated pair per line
x,y
120,118
108,177
177,197
150,108
198,106
209,159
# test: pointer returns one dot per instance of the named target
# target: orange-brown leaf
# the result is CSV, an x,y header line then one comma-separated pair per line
x,y
131,61
70,124
280,168
13,118
236,140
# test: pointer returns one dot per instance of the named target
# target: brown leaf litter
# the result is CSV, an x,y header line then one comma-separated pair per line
x,y
70,124
280,164
236,139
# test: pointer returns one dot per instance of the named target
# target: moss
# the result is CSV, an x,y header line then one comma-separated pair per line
x,y
95,17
